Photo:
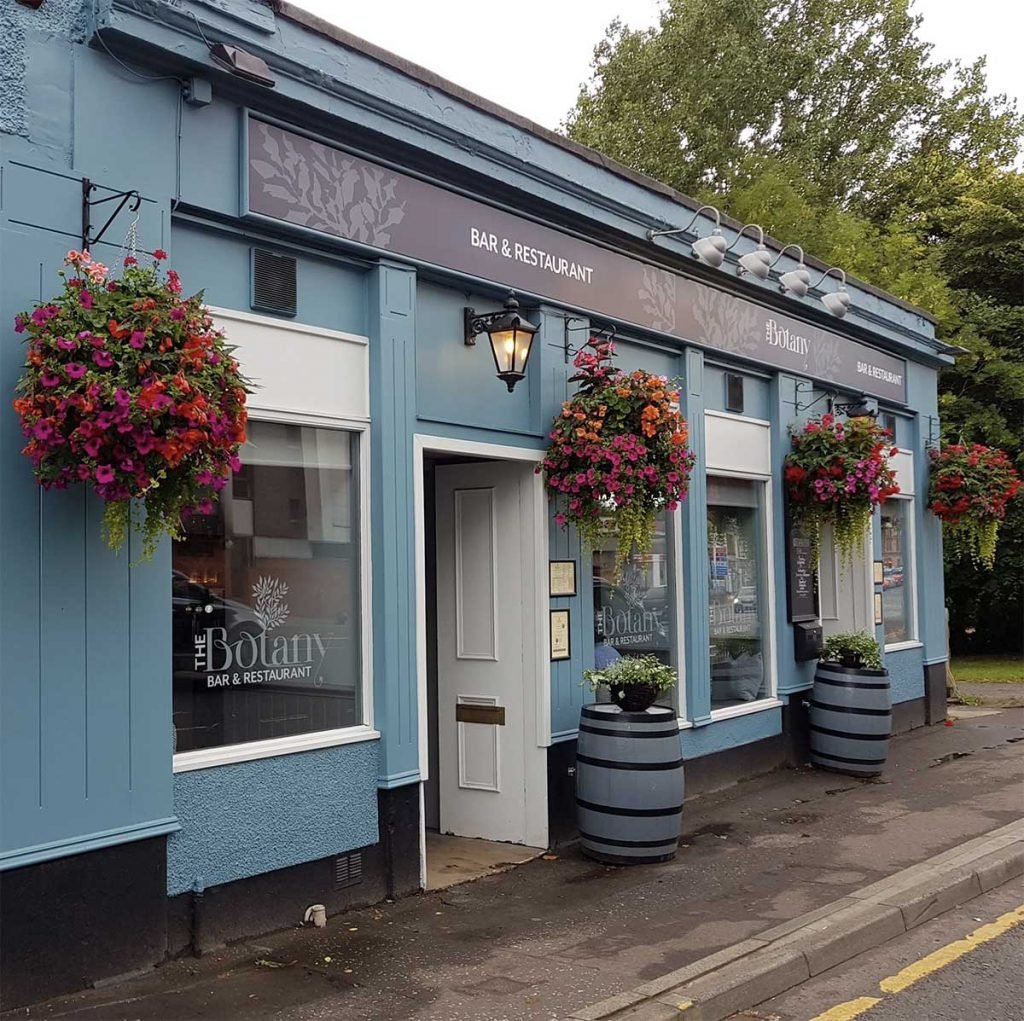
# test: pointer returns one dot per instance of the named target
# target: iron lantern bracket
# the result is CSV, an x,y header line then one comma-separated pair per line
x,y
88,203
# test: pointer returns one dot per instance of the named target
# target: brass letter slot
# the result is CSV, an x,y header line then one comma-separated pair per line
x,y
493,714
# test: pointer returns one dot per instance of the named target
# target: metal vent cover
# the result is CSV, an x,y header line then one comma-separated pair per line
x,y
274,282
348,870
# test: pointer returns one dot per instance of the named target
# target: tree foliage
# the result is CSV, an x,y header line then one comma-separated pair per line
x,y
828,122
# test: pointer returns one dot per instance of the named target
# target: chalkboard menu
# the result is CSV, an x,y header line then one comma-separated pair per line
x,y
801,583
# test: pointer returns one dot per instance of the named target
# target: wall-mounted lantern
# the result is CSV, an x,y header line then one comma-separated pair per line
x,y
511,336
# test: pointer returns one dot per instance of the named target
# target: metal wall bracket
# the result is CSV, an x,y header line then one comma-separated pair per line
x,y
88,239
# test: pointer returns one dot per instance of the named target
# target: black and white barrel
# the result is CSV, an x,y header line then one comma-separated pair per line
x,y
851,719
629,784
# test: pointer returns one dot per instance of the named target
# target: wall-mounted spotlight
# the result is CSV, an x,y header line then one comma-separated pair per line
x,y
758,261
795,281
511,337
837,302
710,250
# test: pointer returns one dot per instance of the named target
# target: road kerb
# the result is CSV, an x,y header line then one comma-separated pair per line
x,y
748,973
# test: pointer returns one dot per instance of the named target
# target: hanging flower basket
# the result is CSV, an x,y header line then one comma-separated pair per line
x,y
837,473
618,453
129,388
970,486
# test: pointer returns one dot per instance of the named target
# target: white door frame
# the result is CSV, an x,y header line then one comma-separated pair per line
x,y
538,697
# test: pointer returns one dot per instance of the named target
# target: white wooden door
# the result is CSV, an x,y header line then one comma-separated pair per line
x,y
484,565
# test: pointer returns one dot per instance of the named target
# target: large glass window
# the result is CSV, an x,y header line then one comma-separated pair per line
x,y
739,608
896,608
266,595
634,614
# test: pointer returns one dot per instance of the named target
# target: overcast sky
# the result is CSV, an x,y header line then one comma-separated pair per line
x,y
550,42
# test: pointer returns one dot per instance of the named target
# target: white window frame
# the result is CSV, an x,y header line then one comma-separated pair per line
x,y
771,699
912,641
205,758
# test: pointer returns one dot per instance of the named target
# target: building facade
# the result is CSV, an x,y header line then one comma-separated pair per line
x,y
357,648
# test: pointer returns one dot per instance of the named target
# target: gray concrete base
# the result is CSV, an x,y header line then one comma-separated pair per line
x,y
779,958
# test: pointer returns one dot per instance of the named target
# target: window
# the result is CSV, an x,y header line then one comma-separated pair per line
x,y
896,565
635,613
266,596
738,595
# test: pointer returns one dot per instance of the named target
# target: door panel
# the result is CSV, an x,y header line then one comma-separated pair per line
x,y
481,515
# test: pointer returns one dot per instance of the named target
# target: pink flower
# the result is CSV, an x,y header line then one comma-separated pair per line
x,y
173,282
92,446
65,344
130,260
159,254
137,339
75,370
103,359
178,313
49,379
19,324
85,298
43,429
104,474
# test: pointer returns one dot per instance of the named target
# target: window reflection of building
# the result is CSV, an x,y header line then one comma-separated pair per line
x,y
633,613
896,609
266,596
736,570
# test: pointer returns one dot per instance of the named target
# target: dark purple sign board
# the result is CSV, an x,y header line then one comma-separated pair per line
x,y
301,181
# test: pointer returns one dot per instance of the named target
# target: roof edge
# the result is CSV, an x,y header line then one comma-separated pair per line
x,y
427,77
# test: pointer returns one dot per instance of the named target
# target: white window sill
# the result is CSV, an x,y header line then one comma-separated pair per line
x,y
206,758
745,709
900,646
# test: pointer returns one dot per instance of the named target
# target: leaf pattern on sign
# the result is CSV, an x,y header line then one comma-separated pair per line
x,y
321,188
825,357
271,609
727,325
658,294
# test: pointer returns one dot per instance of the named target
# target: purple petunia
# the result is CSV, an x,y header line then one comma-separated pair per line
x,y
104,474
103,359
75,370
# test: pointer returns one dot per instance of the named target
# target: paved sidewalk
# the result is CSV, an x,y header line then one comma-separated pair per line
x,y
551,937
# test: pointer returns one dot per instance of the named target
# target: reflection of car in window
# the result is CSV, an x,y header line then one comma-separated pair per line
x,y
746,598
194,607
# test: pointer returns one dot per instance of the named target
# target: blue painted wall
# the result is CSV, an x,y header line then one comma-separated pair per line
x,y
253,817
906,674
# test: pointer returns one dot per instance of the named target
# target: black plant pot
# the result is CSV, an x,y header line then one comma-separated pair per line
x,y
634,698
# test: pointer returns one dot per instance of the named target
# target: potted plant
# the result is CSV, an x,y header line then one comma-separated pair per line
x,y
129,388
629,766
634,682
618,453
969,488
837,473
851,706
855,650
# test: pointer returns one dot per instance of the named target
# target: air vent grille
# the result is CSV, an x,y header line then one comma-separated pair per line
x,y
274,283
348,870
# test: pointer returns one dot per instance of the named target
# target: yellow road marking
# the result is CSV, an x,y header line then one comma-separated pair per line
x,y
849,1010
951,952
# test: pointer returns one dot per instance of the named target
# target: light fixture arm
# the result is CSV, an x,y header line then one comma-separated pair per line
x,y
831,269
783,252
760,235
652,234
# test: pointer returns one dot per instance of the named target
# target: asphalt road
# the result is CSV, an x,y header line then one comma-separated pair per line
x,y
985,984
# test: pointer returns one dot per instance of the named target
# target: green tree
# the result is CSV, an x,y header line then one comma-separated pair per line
x,y
842,91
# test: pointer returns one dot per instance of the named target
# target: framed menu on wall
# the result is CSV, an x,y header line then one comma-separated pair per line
x,y
801,576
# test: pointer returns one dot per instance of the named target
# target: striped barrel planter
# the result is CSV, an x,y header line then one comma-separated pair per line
x,y
629,784
851,719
